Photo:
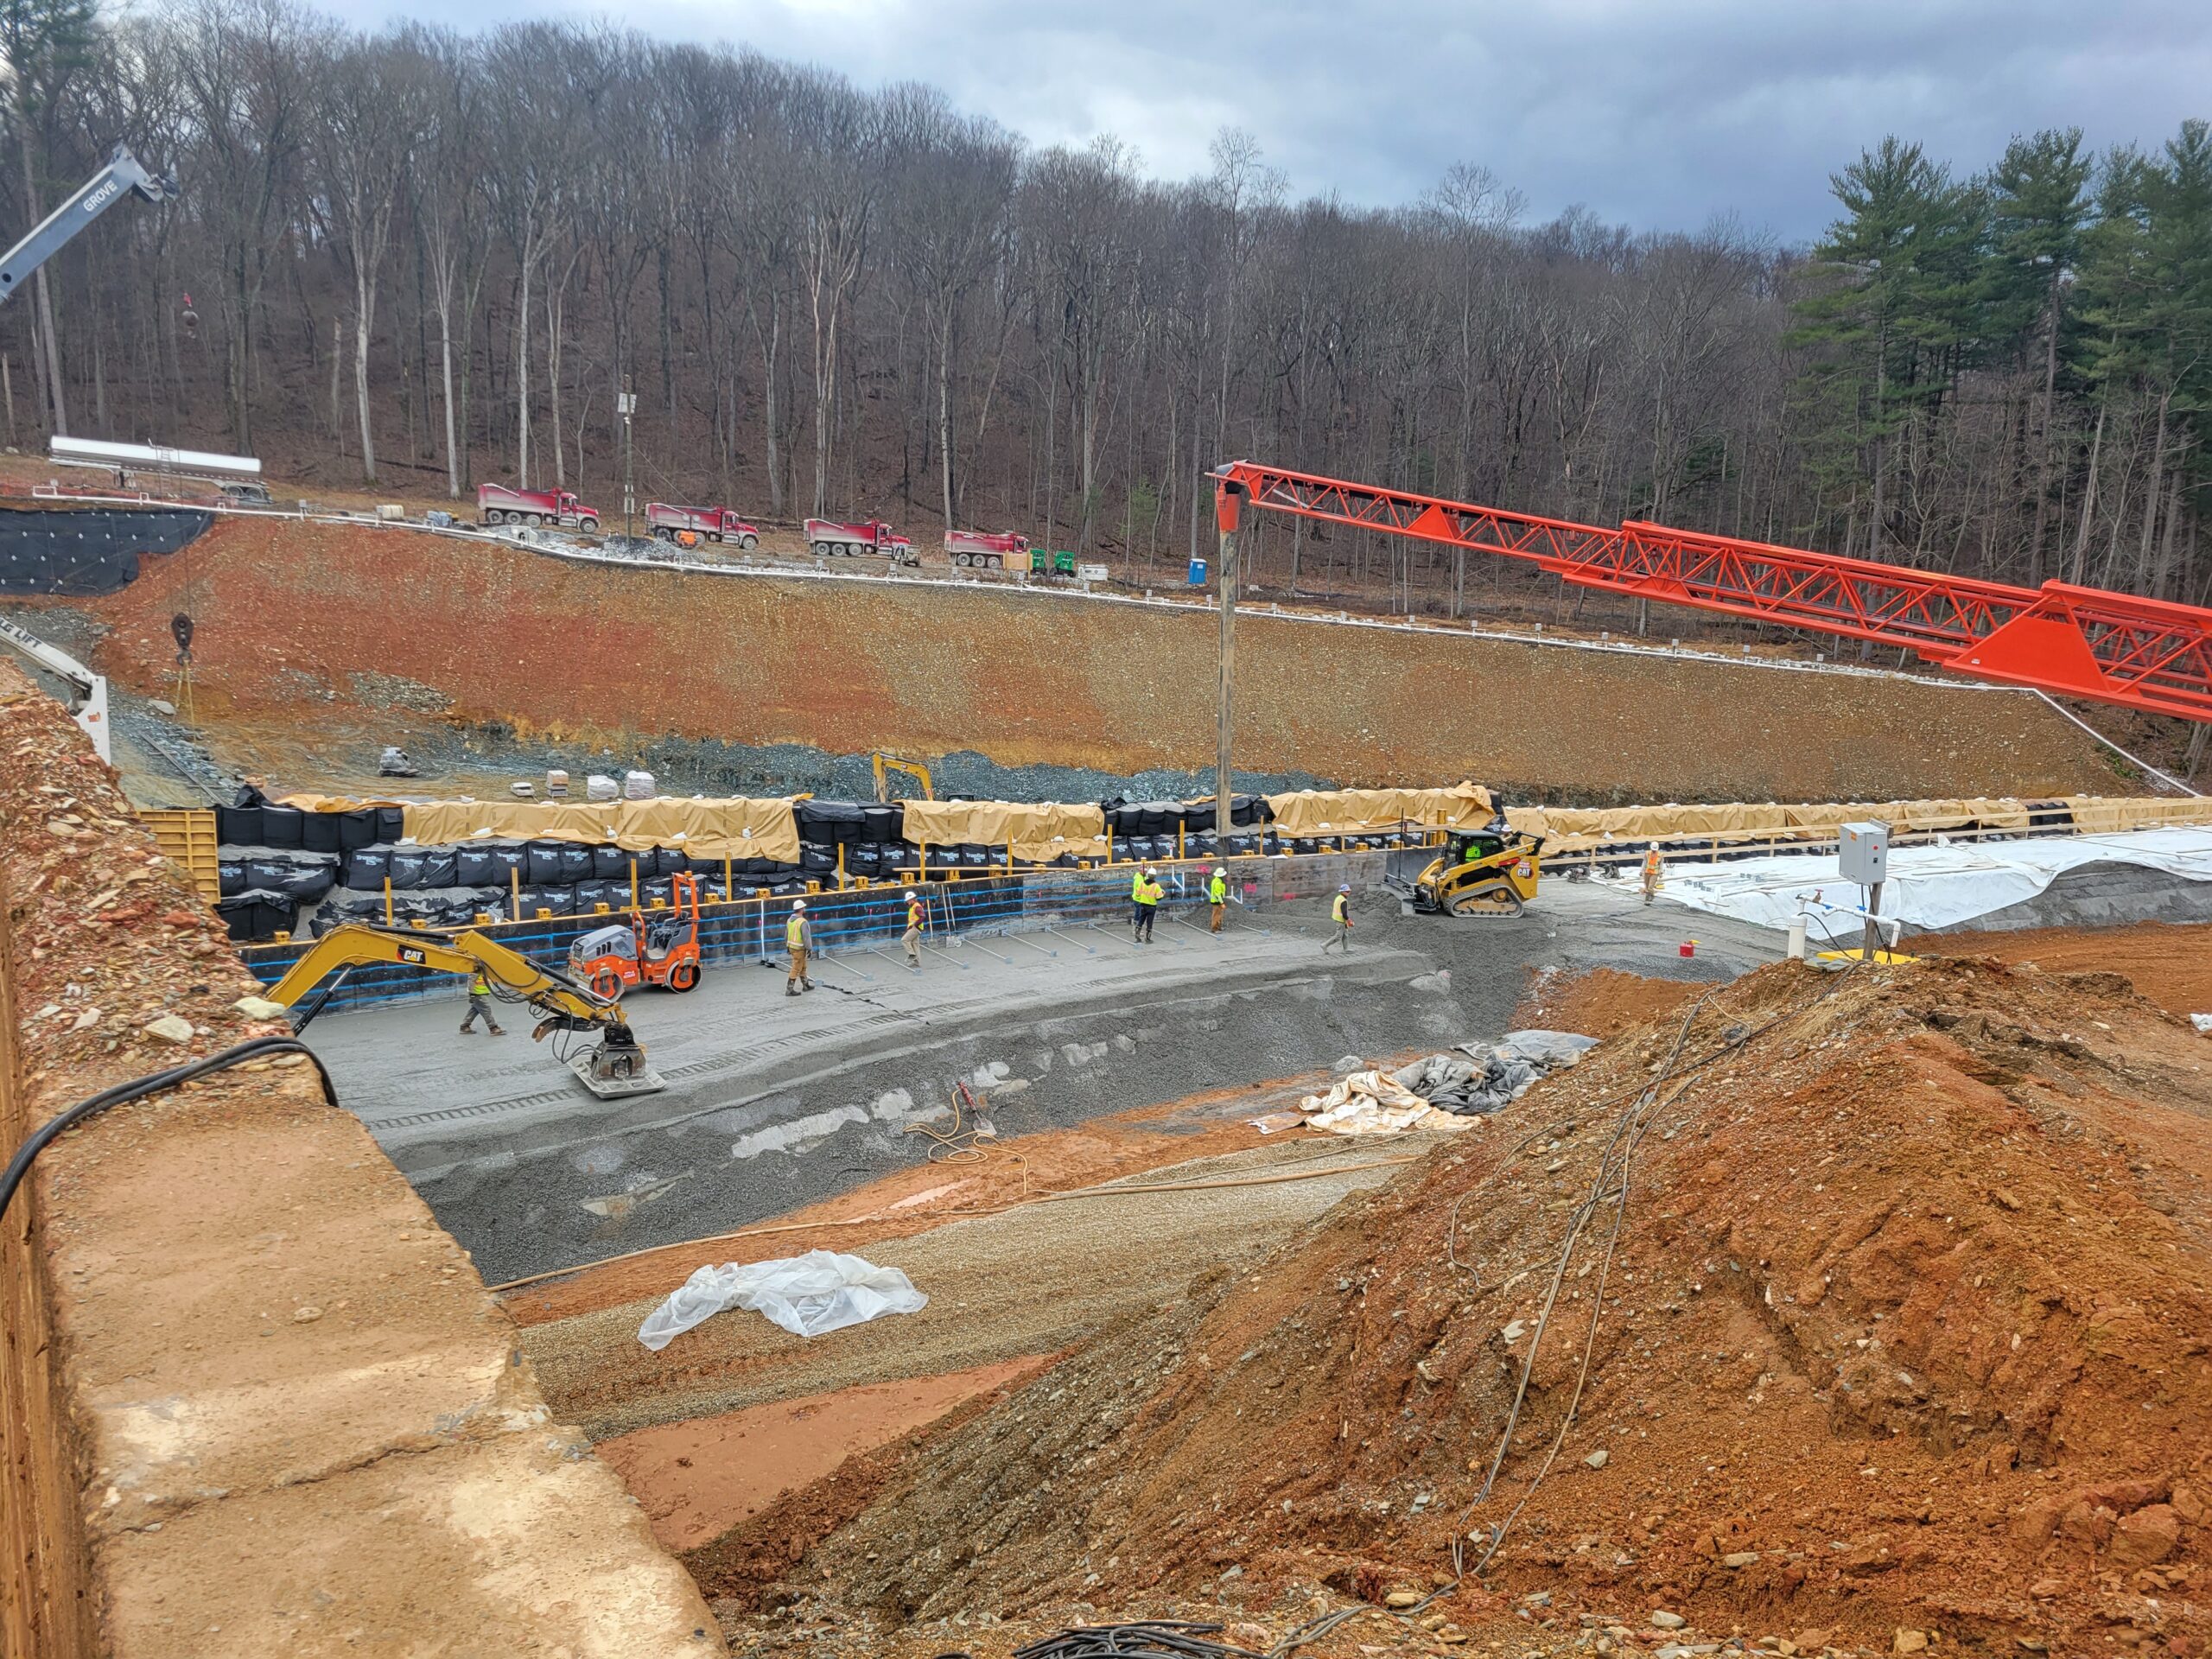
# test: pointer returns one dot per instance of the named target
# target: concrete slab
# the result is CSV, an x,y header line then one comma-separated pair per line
x,y
775,1102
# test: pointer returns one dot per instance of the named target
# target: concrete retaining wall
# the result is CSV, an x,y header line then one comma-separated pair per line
x,y
257,1400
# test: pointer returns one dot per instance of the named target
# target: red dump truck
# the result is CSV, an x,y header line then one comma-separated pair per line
x,y
976,550
826,539
708,523
497,505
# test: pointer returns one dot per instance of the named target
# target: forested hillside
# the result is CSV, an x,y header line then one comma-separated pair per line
x,y
424,258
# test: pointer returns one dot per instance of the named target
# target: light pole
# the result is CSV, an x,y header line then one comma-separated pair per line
x,y
625,404
1227,500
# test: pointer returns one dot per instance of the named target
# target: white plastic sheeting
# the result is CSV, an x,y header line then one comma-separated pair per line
x,y
809,1296
1930,887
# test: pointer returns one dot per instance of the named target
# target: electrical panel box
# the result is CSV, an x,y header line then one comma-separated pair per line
x,y
1863,853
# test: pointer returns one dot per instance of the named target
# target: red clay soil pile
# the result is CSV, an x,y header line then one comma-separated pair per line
x,y
1901,1326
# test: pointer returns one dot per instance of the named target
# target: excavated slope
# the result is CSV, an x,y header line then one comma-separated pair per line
x,y
287,612
1906,1328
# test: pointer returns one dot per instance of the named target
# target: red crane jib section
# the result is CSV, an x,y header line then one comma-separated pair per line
x,y
2076,642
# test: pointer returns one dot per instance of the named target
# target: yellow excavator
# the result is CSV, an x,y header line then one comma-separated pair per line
x,y
612,1068
1487,872
888,763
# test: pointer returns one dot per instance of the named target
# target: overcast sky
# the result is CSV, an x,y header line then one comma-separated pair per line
x,y
1656,113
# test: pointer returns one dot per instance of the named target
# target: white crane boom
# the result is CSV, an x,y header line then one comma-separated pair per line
x,y
87,701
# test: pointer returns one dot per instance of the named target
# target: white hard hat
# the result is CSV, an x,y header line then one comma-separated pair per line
x,y
1219,869
798,904
1345,888
910,893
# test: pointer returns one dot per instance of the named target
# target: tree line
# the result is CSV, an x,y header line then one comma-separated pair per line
x,y
429,257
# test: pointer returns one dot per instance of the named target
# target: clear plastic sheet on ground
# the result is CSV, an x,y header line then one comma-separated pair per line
x,y
809,1296
1444,1091
1482,1079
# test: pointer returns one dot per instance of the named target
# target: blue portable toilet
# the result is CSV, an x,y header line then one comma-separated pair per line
x,y
1198,573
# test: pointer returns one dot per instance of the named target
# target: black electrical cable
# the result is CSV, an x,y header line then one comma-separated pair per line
x,y
138,1089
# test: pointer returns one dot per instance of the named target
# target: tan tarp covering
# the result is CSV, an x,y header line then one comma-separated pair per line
x,y
1573,829
1038,832
733,828
333,803
1313,813
2103,815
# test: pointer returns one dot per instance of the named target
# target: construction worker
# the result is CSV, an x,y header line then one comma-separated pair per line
x,y
913,939
480,1002
1149,895
1136,902
1340,913
798,938
1217,894
1653,868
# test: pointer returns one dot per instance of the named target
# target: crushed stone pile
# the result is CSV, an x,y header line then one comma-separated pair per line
x,y
1900,1335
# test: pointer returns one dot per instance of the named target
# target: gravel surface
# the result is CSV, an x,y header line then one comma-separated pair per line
x,y
1030,1281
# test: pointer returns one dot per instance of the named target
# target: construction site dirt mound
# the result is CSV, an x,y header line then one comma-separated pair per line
x,y
2171,965
291,615
1902,1293
1602,1003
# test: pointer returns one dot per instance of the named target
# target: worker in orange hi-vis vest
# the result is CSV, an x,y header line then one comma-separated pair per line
x,y
912,937
1653,868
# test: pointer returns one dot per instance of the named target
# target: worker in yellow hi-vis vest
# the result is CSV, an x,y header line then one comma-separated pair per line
x,y
913,939
798,939
1136,901
480,1002
1148,894
1340,913
1217,894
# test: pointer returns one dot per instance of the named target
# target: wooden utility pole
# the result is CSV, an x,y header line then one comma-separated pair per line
x,y
1228,498
625,403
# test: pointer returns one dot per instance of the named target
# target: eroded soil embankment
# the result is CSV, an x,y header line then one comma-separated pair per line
x,y
1904,1329
288,612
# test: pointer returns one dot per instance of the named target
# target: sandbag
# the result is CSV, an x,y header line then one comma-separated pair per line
x,y
670,861
659,891
406,864
592,894
366,869
441,867
319,832
610,863
239,826
813,855
357,828
294,879
576,863
391,822
637,786
282,826
829,821
881,824
230,877
476,867
541,863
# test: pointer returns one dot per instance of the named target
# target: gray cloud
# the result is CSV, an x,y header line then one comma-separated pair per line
x,y
1657,113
